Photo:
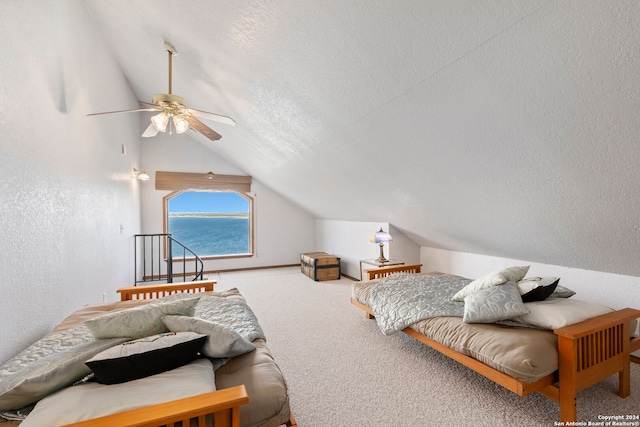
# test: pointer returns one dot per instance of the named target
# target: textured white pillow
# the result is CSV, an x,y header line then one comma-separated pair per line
x,y
222,341
493,304
494,278
139,322
91,400
554,313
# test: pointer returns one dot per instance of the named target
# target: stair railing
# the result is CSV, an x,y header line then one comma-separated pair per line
x,y
149,248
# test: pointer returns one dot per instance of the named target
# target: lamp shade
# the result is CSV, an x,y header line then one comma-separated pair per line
x,y
381,237
140,174
160,121
181,124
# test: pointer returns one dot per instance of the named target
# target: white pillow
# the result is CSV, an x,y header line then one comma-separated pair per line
x,y
554,313
139,322
494,304
222,341
91,400
494,278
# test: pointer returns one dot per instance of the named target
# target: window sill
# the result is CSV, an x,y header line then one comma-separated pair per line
x,y
212,257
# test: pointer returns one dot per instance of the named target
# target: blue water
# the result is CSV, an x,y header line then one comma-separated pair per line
x,y
210,236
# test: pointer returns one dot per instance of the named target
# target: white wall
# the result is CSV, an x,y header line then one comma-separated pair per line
x,y
66,189
282,229
613,290
350,240
403,248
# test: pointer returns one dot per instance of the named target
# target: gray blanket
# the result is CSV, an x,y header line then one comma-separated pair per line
x,y
231,312
402,299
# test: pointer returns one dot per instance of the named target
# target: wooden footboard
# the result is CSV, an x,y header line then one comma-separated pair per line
x,y
159,291
591,351
222,405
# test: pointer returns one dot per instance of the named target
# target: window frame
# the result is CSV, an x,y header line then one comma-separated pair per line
x,y
250,199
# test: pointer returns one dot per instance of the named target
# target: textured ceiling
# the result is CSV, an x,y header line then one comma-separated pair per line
x,y
495,127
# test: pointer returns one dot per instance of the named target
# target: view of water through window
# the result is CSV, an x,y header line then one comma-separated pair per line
x,y
210,223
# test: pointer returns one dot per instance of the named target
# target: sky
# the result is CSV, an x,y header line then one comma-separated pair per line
x,y
208,201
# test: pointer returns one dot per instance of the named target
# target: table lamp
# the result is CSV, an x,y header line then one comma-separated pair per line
x,y
381,237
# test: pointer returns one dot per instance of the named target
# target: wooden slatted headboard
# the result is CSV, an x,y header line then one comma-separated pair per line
x,y
159,291
378,273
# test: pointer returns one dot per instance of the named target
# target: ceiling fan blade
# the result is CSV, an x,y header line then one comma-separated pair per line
x,y
124,111
150,131
212,116
149,103
198,126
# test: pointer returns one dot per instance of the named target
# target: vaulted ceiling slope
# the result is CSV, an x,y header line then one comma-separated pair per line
x,y
501,128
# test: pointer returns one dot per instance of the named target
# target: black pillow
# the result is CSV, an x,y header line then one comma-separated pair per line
x,y
540,293
145,357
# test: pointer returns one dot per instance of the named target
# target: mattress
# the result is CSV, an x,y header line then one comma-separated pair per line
x,y
268,397
524,353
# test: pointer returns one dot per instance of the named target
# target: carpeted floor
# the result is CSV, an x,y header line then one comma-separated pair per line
x,y
342,371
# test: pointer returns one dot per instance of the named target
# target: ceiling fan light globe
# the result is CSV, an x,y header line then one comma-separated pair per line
x,y
159,121
180,124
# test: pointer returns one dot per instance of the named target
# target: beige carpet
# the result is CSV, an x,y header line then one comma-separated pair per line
x,y
342,371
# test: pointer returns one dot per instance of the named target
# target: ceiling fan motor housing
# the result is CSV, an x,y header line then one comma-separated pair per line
x,y
172,105
170,98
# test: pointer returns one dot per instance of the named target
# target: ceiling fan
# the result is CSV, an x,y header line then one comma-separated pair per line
x,y
173,112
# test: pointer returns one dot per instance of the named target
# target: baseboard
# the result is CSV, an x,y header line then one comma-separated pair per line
x,y
192,274
250,268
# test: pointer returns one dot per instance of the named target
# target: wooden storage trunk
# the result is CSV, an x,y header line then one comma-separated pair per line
x,y
320,266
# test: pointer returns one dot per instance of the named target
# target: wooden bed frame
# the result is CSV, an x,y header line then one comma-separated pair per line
x,y
223,405
159,291
588,352
379,273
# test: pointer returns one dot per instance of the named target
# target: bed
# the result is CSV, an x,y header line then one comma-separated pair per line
x,y
237,384
521,357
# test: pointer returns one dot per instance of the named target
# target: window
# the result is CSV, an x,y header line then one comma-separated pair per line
x,y
211,223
